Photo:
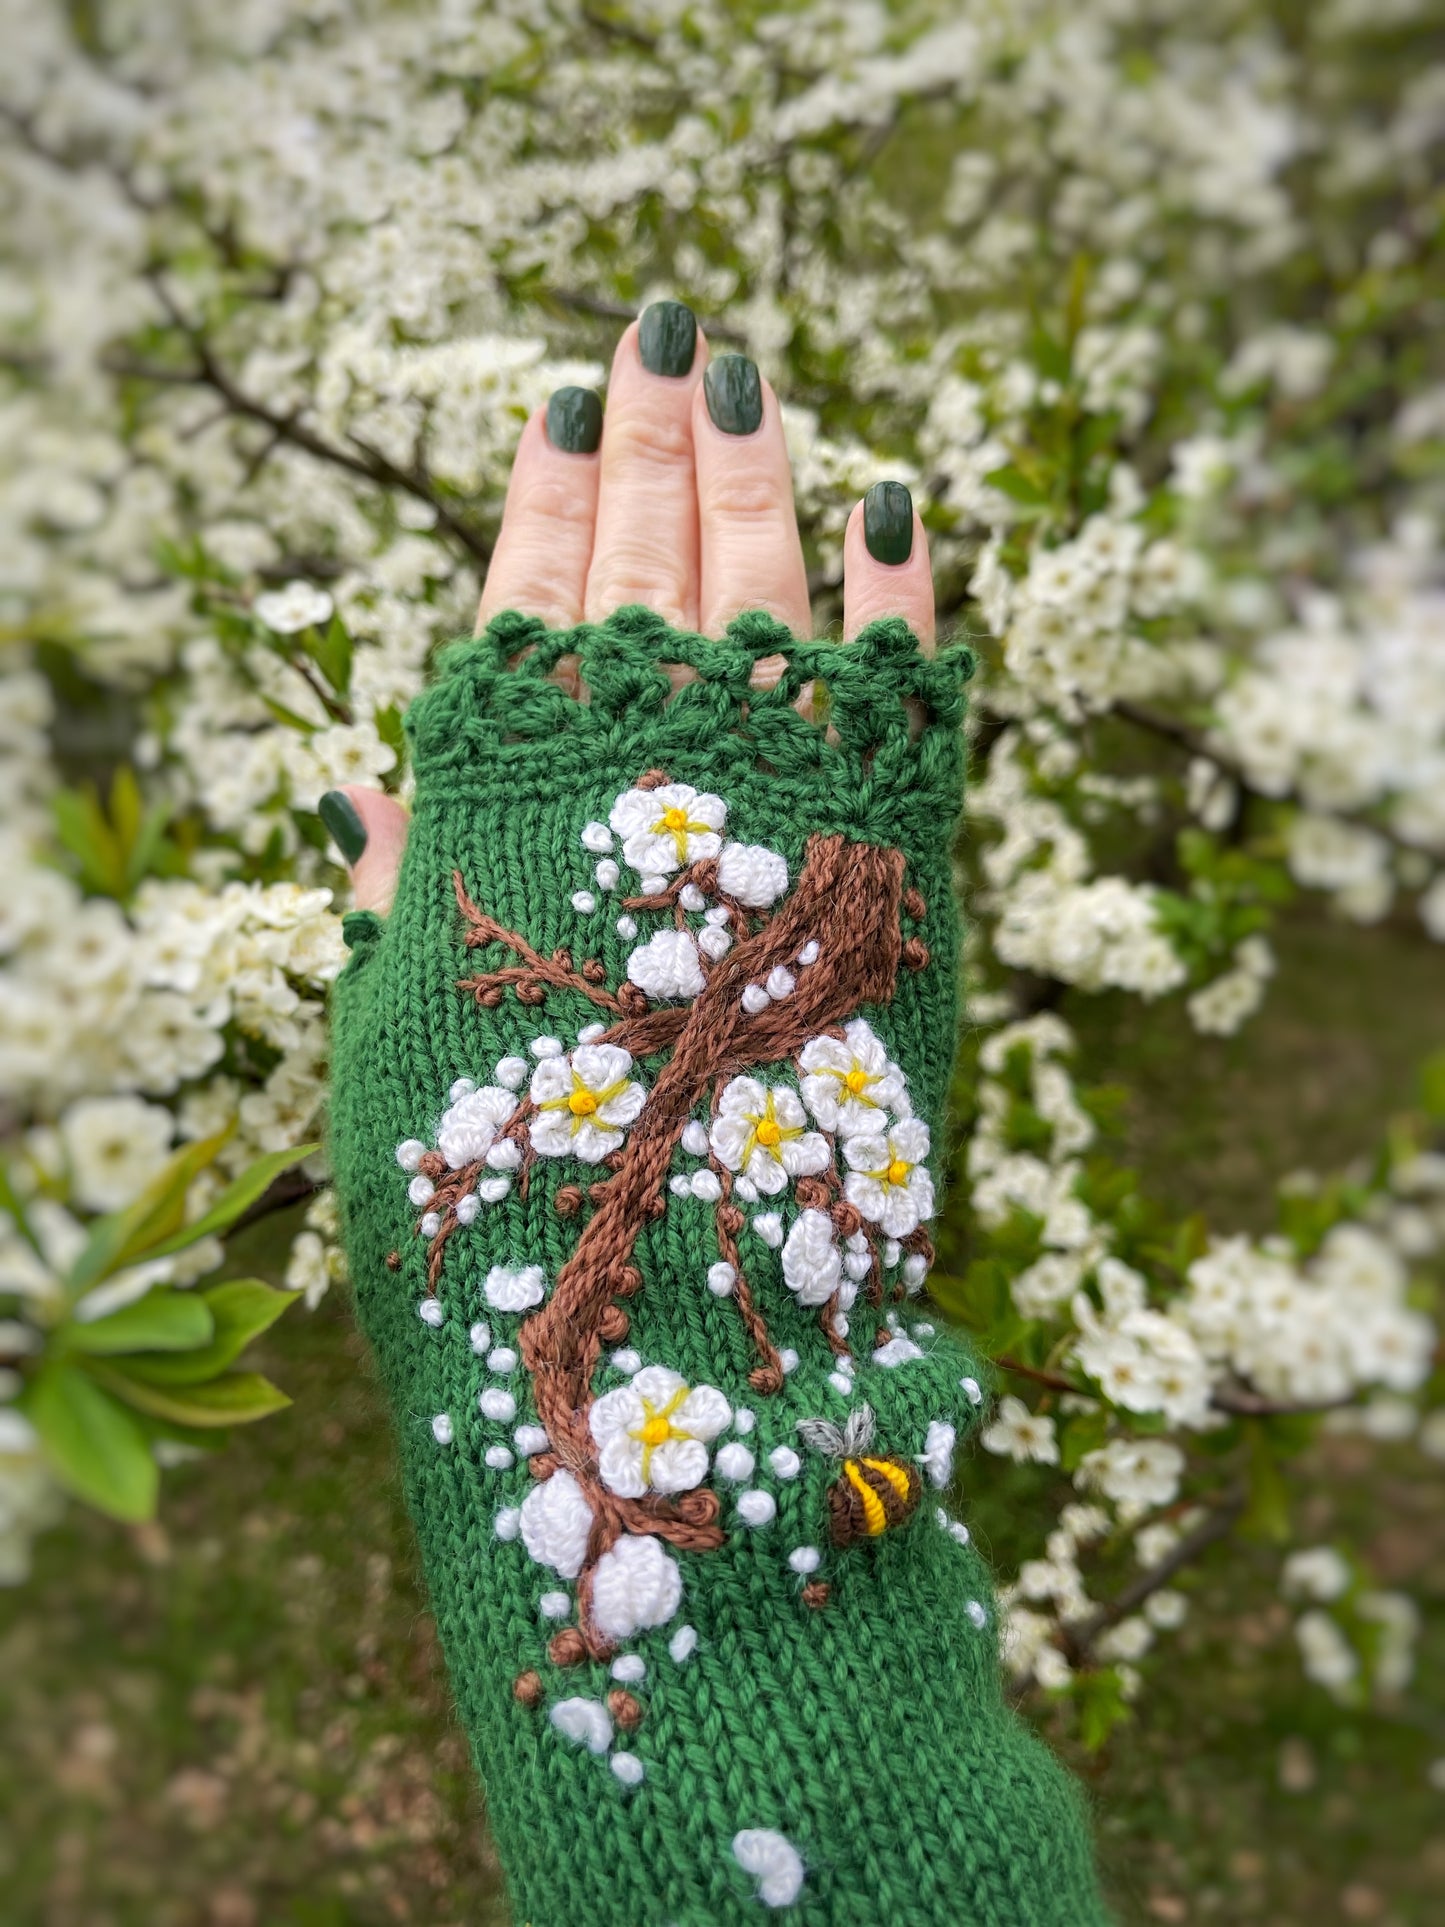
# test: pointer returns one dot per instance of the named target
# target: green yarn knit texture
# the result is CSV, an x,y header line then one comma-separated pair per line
x,y
637,1111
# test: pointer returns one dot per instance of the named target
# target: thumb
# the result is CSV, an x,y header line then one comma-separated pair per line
x,y
369,829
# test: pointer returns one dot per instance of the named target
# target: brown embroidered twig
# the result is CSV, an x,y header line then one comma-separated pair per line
x,y
845,908
767,1375
532,977
847,900
746,918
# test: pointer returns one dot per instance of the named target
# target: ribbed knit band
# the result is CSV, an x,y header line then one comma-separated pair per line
x,y
632,1100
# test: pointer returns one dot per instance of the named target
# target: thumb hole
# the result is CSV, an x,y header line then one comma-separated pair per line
x,y
369,830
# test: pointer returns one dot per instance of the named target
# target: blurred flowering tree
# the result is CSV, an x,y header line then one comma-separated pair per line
x,y
1136,294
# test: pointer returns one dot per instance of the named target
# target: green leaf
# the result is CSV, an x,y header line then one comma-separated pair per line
x,y
389,729
162,1321
241,1309
237,1197
114,850
330,649
289,716
1012,482
82,828
1102,1706
1051,357
122,1237
235,1398
10,1204
94,1446
1083,1433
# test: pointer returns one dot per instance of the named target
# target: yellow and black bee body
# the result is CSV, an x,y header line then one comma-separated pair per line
x,y
874,1492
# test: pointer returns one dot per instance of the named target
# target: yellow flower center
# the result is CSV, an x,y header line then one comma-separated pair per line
x,y
767,1131
857,1081
897,1172
677,824
581,1102
657,1428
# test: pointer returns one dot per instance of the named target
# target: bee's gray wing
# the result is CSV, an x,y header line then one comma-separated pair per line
x,y
823,1435
858,1432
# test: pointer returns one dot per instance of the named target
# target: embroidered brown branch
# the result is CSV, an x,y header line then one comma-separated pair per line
x,y
845,908
767,1377
535,974
847,900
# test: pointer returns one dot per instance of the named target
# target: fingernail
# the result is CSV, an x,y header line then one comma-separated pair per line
x,y
734,394
888,522
667,338
344,826
574,421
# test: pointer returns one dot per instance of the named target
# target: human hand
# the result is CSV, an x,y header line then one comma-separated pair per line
x,y
680,498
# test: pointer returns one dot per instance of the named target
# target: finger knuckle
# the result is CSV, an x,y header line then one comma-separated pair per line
x,y
557,501
618,585
648,441
743,495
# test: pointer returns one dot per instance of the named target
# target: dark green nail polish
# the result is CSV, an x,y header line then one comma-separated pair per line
x,y
667,338
344,826
574,421
888,522
734,394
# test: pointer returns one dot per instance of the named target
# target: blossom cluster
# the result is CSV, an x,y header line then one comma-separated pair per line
x,y
1247,1325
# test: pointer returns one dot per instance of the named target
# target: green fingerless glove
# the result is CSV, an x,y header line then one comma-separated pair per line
x,y
637,1103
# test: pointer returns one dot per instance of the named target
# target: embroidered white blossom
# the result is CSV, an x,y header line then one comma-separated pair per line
x,y
812,1262
667,965
653,1435
665,829
584,1103
773,1861
849,1084
469,1127
515,1288
634,1585
936,1457
761,1130
556,1522
753,875
888,1180
734,1462
584,1721
899,1350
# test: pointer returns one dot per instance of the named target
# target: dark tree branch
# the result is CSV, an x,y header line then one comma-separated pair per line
x,y
367,462
1195,742
1217,1524
1238,1400
290,1188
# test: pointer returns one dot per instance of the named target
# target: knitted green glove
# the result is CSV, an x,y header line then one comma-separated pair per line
x,y
637,1102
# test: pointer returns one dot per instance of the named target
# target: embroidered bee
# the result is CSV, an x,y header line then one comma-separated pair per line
x,y
874,1492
